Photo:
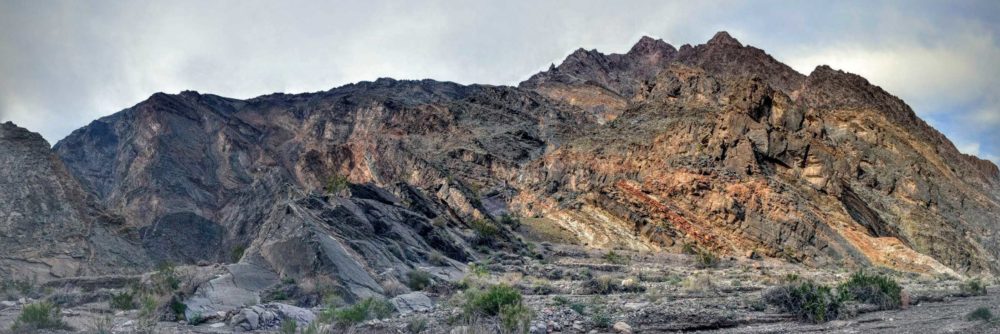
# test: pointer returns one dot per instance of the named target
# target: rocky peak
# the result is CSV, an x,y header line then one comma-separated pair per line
x,y
723,38
649,46
10,131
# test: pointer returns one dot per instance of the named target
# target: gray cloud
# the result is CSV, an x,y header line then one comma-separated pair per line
x,y
66,63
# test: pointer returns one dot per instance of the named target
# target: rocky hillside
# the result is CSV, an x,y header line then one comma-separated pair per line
x,y
717,147
49,227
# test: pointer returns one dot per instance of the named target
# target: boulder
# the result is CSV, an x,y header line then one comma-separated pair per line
x,y
412,302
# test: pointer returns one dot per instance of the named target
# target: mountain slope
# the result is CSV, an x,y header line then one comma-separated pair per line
x,y
716,146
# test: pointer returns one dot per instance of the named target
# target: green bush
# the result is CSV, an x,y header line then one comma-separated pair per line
x,y
615,258
42,315
490,301
579,308
706,259
166,277
416,325
418,279
515,318
486,232
369,308
973,287
879,290
809,301
289,326
237,253
981,314
123,301
335,183
601,319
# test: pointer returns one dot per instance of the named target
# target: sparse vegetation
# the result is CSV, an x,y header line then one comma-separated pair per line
x,y
393,288
418,279
335,183
490,301
876,289
11,289
809,301
699,283
616,258
515,318
416,325
369,308
511,221
437,259
123,301
973,287
603,285
706,259
103,325
237,253
289,326
486,232
38,316
980,314
166,277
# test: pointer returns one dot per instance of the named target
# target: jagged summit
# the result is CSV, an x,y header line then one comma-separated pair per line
x,y
723,38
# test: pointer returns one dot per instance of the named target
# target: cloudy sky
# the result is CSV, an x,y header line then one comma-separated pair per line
x,y
65,63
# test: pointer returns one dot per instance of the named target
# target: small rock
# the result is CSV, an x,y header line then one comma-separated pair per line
x,y
622,327
217,325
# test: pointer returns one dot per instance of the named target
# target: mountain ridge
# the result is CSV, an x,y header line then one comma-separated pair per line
x,y
716,145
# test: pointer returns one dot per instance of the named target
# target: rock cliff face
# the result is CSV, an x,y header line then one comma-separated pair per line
x,y
716,146
49,227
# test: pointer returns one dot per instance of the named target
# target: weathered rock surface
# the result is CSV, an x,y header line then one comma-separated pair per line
x,y
49,227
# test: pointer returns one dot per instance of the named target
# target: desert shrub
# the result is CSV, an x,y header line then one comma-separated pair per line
x,y
437,259
177,307
103,325
560,300
147,313
515,318
511,221
980,314
289,326
706,259
42,315
237,253
698,283
393,288
603,285
11,289
486,232
579,308
335,183
369,308
973,287
809,301
689,249
489,302
876,289
123,301
616,258
166,277
416,325
418,279
601,319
